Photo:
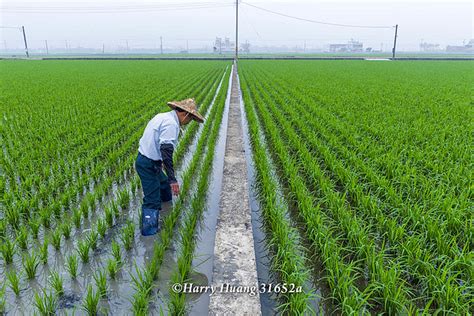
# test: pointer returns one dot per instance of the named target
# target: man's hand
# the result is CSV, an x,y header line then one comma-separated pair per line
x,y
174,188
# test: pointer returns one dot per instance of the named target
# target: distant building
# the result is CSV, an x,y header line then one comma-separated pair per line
x,y
350,47
223,46
429,47
469,48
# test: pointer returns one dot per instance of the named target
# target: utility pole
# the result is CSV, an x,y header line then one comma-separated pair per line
x,y
236,30
161,45
126,42
394,42
103,48
26,44
46,45
187,47
67,46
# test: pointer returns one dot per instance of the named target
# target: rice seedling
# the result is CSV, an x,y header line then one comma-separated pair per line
x,y
46,304
66,229
109,216
140,304
3,228
142,281
66,200
100,279
83,249
56,209
116,253
56,239
133,186
115,210
45,215
91,302
7,248
124,198
101,227
85,208
43,251
56,282
72,265
13,216
2,298
30,264
92,239
95,196
14,281
22,238
112,268
143,285
99,193
77,217
127,236
34,224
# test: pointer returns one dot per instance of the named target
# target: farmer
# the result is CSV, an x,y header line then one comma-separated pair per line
x,y
155,152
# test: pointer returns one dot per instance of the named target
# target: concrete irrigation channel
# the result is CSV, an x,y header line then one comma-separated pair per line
x,y
234,258
226,252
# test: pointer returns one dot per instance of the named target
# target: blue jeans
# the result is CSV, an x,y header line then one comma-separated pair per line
x,y
155,184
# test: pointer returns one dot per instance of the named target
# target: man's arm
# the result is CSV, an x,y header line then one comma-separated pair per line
x,y
166,139
167,156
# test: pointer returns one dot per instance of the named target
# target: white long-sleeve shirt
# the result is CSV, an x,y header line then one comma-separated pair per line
x,y
163,128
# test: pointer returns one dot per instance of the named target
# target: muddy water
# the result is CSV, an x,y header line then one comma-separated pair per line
x,y
120,290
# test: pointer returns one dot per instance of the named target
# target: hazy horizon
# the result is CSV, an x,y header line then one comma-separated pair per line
x,y
196,24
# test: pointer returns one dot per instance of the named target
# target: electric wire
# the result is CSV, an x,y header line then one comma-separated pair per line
x,y
315,21
249,22
115,9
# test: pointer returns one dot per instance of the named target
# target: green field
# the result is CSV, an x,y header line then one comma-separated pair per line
x,y
374,161
362,170
70,133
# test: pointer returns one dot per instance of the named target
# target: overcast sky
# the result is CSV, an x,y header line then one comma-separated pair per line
x,y
141,23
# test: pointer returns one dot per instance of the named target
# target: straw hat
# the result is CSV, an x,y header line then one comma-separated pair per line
x,y
189,106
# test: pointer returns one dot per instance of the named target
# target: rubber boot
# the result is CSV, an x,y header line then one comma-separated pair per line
x,y
149,222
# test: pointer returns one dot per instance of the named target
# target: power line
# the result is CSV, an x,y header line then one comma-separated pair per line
x,y
115,9
111,7
247,18
315,21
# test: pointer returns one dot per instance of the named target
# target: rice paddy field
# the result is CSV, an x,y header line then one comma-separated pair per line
x,y
361,170
365,170
70,240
